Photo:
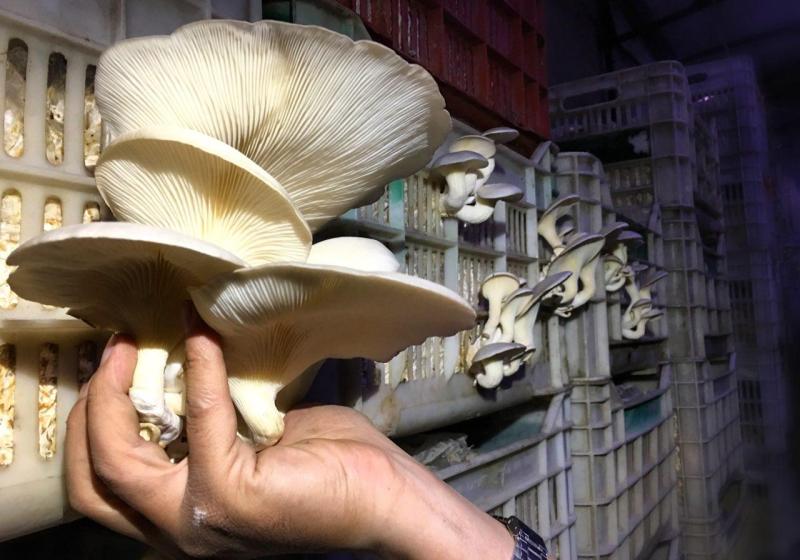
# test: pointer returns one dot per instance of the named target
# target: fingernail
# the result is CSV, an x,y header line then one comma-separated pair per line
x,y
189,317
109,347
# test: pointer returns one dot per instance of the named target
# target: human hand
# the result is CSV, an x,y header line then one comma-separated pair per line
x,y
332,482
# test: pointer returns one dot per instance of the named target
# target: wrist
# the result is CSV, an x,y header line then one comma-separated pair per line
x,y
431,520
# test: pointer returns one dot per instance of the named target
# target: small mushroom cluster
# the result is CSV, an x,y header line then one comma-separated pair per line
x,y
640,308
572,251
618,273
230,144
506,340
465,170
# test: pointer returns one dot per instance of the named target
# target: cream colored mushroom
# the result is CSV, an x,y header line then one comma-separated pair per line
x,y
527,315
633,313
548,223
460,172
646,286
572,259
481,145
126,278
501,134
639,330
277,320
487,196
494,289
332,119
358,253
613,273
194,184
587,276
488,362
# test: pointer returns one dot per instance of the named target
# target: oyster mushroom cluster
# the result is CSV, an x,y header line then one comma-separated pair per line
x,y
639,283
506,340
464,172
230,144
637,279
572,251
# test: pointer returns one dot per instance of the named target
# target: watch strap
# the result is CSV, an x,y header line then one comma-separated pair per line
x,y
527,544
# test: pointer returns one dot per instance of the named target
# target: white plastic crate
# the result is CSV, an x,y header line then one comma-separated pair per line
x,y
525,470
51,141
639,120
425,387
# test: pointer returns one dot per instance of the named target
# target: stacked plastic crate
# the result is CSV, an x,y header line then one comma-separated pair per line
x,y
640,122
425,398
51,141
727,91
623,450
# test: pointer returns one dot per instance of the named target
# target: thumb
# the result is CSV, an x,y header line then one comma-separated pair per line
x,y
210,416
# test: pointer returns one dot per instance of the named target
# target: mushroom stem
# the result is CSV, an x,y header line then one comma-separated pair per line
x,y
492,374
475,214
255,400
156,421
457,191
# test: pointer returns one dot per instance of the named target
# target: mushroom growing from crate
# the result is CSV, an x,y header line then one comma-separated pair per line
x,y
486,197
460,173
489,361
588,278
480,145
623,241
127,278
331,119
639,329
649,280
613,276
186,181
613,273
501,134
573,259
565,227
548,223
494,289
633,314
276,320
527,315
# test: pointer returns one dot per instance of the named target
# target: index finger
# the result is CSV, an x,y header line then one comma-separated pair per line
x,y
133,469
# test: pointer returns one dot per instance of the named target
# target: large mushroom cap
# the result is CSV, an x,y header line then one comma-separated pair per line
x,y
500,191
464,160
331,119
104,271
474,143
186,181
289,316
501,134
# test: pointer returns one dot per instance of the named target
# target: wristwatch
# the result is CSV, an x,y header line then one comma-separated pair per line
x,y
528,545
